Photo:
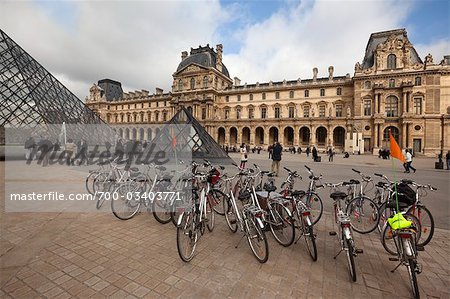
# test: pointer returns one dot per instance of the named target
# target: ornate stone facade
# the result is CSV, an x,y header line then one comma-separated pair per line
x,y
391,89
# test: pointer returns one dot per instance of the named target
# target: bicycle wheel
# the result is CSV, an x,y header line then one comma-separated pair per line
x,y
230,214
315,205
350,258
210,218
411,266
384,214
426,221
187,236
218,197
90,182
363,213
256,239
124,203
161,211
387,240
310,240
281,224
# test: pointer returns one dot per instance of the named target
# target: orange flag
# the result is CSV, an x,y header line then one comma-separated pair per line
x,y
396,152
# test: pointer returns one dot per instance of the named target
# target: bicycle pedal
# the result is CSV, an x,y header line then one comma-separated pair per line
x,y
359,251
332,233
393,259
420,248
418,268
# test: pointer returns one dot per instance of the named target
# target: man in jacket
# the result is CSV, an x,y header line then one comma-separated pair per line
x,y
277,151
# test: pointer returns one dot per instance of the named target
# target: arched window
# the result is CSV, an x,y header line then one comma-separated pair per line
x,y
391,62
180,84
192,83
205,82
391,106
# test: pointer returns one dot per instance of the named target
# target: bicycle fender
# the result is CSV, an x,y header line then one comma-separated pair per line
x,y
180,217
260,222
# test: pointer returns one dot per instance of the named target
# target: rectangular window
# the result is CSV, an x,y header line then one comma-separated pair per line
x,y
418,106
239,97
291,112
367,107
322,92
338,110
306,93
251,97
263,112
227,98
339,91
165,116
203,113
157,104
306,111
322,111
392,83
263,95
251,113
277,95
418,81
277,112
291,94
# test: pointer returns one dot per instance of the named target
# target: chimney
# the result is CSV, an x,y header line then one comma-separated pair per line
x,y
330,72
219,50
315,71
237,81
184,54
159,90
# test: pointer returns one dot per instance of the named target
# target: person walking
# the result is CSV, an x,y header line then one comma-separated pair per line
x,y
330,154
277,151
409,161
70,149
314,154
83,151
29,146
447,159
307,151
270,149
244,157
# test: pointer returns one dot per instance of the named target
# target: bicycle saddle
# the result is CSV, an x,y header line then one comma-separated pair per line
x,y
355,182
265,171
338,195
298,193
381,184
162,168
315,178
271,174
406,181
269,187
244,195
134,169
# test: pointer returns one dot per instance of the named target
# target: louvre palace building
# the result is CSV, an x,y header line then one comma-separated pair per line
x,y
392,89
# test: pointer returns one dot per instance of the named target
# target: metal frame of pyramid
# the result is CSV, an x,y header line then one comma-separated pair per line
x,y
186,135
31,97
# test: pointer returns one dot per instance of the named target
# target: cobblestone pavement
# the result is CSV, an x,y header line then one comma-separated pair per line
x,y
63,255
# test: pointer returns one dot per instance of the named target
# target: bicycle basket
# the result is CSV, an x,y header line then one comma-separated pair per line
x,y
405,194
213,177
244,195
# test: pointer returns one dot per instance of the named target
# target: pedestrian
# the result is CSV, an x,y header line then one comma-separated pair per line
x,y
70,148
83,151
330,155
447,159
307,151
29,146
277,151
409,161
45,147
259,150
299,150
244,157
119,150
314,154
227,149
269,149
294,150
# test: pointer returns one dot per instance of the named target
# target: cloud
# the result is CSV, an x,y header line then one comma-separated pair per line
x,y
437,48
309,34
140,43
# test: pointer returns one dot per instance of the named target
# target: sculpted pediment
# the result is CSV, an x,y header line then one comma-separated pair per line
x,y
191,68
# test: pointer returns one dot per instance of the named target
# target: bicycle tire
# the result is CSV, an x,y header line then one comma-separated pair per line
x,y
218,197
310,240
363,213
230,215
260,237
211,218
387,240
187,230
315,205
411,266
285,224
350,258
426,231
161,211
88,184
132,204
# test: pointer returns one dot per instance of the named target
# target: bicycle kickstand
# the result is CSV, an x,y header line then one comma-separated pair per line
x,y
393,270
301,235
338,253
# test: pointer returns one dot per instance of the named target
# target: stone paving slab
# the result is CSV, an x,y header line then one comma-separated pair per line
x,y
95,255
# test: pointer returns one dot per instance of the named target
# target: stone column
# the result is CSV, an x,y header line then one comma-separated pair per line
x,y
404,132
239,136
296,136
375,136
404,103
312,137
266,135
252,136
227,136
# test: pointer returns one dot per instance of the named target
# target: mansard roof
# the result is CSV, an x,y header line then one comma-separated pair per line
x,y
204,56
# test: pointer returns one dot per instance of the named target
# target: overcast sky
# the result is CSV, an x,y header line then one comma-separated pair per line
x,y
139,43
